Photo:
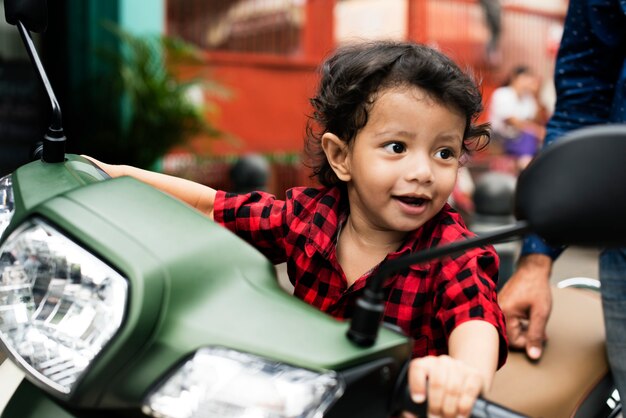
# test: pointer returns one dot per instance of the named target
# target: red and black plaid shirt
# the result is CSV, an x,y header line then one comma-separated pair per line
x,y
427,301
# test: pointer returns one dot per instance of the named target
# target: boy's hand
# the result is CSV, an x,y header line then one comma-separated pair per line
x,y
110,169
452,385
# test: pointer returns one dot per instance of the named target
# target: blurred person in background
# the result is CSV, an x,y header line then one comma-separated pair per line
x,y
514,113
590,81
492,11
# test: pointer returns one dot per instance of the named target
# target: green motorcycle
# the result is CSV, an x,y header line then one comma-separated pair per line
x,y
110,308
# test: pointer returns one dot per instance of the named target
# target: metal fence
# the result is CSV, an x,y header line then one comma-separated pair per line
x,y
528,35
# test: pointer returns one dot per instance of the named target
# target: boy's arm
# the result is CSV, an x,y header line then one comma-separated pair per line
x,y
454,382
476,343
195,194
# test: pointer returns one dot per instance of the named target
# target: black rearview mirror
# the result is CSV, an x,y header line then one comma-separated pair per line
x,y
32,13
574,192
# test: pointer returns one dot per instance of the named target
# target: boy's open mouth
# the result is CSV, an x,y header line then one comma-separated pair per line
x,y
413,201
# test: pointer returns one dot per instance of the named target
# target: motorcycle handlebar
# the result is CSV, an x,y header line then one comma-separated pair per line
x,y
482,407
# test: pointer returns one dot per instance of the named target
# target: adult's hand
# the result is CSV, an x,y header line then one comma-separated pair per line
x,y
526,301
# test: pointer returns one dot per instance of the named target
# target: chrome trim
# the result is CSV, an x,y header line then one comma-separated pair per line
x,y
579,282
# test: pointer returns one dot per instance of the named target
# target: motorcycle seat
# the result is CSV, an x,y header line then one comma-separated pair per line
x,y
572,377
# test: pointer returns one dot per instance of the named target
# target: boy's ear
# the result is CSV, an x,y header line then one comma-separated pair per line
x,y
337,155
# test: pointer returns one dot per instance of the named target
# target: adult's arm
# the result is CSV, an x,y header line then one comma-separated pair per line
x,y
588,67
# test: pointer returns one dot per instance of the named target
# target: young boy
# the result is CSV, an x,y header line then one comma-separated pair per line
x,y
391,122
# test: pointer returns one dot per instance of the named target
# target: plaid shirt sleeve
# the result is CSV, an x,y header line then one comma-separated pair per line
x,y
257,217
467,291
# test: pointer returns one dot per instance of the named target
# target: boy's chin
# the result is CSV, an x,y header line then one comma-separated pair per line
x,y
408,226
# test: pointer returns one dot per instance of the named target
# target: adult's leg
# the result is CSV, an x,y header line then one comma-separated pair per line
x,y
613,289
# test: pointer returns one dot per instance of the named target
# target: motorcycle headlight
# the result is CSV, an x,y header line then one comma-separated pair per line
x,y
218,382
59,304
7,203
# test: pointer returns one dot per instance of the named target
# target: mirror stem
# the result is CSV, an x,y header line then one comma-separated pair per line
x,y
54,140
369,308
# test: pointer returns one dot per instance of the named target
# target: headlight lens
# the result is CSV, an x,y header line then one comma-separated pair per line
x,y
59,304
7,202
219,382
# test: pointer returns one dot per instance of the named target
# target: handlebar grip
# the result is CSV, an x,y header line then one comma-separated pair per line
x,y
407,404
486,409
482,408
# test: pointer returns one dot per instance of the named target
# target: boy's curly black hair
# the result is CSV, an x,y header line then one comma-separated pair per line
x,y
351,77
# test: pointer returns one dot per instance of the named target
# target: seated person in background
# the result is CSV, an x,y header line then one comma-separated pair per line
x,y
514,112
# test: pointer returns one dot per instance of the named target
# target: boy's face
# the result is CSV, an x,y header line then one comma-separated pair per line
x,y
403,164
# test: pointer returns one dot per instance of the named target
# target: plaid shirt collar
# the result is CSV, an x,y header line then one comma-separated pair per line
x,y
331,212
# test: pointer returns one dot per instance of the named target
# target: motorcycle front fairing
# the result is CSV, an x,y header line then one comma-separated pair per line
x,y
191,285
37,181
29,401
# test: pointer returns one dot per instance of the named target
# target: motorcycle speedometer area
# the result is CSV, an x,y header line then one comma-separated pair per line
x,y
220,382
59,304
7,202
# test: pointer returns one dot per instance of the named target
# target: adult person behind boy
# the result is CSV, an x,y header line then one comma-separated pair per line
x,y
590,81
391,122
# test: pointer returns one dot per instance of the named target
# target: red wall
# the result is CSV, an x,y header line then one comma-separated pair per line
x,y
269,105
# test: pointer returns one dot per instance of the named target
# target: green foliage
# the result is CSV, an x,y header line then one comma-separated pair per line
x,y
141,109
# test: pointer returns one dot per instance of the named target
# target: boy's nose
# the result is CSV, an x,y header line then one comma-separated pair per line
x,y
420,170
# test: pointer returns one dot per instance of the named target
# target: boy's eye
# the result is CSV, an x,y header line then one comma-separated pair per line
x,y
445,154
395,147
